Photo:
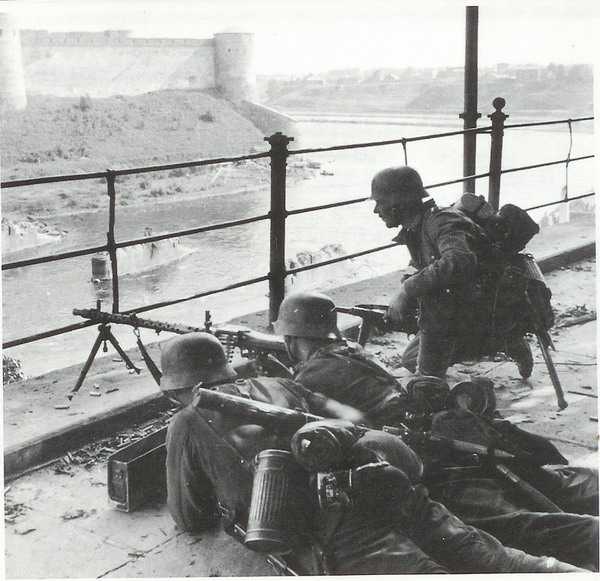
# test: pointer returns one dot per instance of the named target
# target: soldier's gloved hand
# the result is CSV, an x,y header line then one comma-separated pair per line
x,y
380,491
400,307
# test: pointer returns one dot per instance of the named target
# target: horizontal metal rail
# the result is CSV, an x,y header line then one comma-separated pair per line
x,y
401,141
547,164
145,240
129,171
53,257
75,327
113,245
540,123
563,201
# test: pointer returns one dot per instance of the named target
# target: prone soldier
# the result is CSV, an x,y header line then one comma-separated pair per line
x,y
209,476
329,364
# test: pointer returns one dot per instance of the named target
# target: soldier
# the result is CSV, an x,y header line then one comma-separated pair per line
x,y
444,247
209,456
337,369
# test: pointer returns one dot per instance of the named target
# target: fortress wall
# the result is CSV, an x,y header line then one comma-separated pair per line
x,y
12,85
197,72
101,71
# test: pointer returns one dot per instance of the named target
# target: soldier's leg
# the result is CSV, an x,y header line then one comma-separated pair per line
x,y
411,354
573,488
572,538
436,352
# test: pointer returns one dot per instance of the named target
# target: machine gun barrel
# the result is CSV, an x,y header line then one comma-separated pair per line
x,y
230,335
133,320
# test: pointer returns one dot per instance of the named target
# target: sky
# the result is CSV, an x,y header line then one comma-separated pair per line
x,y
303,36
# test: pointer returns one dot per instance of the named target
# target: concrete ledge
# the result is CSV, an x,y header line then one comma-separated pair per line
x,y
559,259
19,458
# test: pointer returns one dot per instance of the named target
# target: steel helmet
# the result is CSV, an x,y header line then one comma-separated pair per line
x,y
308,314
189,359
399,184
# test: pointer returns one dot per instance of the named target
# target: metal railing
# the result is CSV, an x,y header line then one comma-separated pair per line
x,y
278,155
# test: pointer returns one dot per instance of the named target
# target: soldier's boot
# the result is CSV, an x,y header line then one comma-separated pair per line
x,y
520,352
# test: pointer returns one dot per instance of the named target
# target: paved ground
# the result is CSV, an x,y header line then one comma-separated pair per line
x,y
58,520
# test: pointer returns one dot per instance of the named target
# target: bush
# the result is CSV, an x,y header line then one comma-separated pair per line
x,y
207,117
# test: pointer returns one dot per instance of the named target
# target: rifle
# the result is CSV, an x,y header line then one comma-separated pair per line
x,y
269,415
267,352
534,273
374,317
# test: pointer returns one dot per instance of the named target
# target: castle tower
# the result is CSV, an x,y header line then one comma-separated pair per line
x,y
235,74
12,82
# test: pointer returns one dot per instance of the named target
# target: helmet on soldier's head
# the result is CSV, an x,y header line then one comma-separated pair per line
x,y
398,184
189,359
308,314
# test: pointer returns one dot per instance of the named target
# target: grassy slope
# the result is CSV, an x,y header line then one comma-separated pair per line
x,y
57,136
63,135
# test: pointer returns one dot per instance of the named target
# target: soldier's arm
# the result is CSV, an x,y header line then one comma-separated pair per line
x,y
456,262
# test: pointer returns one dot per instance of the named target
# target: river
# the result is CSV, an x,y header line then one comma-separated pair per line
x,y
42,297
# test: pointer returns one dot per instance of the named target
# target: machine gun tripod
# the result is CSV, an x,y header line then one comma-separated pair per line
x,y
104,335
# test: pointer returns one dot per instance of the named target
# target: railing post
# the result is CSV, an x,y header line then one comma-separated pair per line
x,y
498,117
279,154
470,114
110,238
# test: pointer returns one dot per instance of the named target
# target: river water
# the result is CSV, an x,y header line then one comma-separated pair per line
x,y
42,297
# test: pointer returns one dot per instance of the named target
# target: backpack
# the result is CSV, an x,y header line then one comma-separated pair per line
x,y
514,276
509,229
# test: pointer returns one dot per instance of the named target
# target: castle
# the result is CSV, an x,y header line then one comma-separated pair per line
x,y
102,64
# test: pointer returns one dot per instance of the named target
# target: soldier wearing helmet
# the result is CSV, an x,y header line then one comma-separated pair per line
x,y
341,370
338,368
209,475
197,477
444,246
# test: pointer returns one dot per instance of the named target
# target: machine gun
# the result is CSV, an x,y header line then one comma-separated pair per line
x,y
374,317
267,353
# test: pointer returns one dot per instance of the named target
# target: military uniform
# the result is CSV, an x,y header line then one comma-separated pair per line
x,y
208,461
453,286
340,372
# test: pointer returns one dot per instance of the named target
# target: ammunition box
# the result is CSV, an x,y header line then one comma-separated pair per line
x,y
136,474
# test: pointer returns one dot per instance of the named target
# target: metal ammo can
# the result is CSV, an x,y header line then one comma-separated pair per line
x,y
274,502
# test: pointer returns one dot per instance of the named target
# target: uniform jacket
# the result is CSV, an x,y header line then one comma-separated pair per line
x,y
443,245
344,373
209,454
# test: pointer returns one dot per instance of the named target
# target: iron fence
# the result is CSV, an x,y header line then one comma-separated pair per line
x,y
278,155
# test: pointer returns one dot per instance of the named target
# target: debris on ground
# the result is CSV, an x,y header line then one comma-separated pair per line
x,y
13,510
100,450
77,513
